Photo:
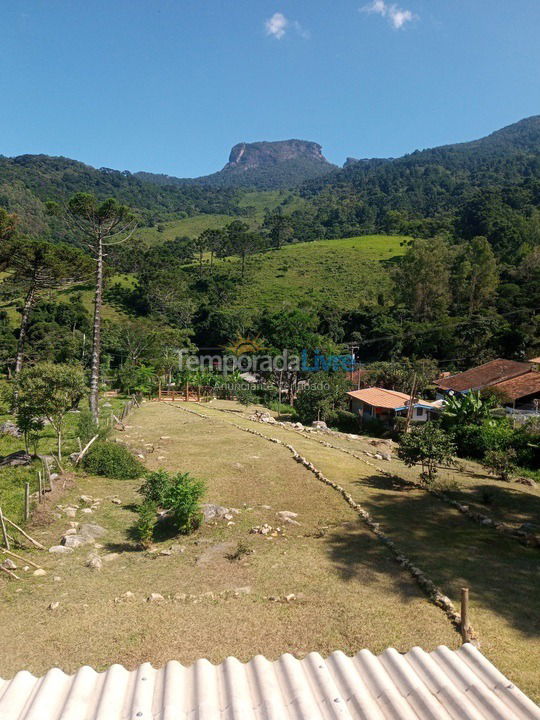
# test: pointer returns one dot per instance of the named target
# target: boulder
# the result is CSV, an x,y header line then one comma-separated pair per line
x,y
319,425
92,531
59,549
39,572
74,541
94,562
9,428
15,459
155,597
211,511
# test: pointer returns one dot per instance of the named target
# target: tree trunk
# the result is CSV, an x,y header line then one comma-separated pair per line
x,y
96,337
27,309
59,445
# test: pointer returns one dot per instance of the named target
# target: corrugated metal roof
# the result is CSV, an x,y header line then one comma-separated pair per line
x,y
440,685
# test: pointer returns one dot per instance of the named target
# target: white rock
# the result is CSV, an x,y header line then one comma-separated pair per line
x,y
155,597
54,605
40,572
59,549
116,501
9,564
71,512
88,511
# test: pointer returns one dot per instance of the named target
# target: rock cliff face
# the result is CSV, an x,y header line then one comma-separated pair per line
x,y
264,154
269,165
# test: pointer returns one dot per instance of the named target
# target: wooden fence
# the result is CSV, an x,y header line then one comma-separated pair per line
x,y
187,393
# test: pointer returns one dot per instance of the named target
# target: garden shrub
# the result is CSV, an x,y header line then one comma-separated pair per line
x,y
143,530
112,460
154,486
181,501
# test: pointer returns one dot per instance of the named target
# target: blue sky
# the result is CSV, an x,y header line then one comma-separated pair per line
x,y
170,85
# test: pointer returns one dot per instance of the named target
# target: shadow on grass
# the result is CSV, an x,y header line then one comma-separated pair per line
x,y
453,551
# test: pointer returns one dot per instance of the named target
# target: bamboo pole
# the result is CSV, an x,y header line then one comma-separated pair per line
x,y
19,557
11,574
79,443
4,531
40,485
465,624
31,539
26,501
85,450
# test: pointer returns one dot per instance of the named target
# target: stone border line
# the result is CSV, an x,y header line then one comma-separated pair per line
x,y
433,593
521,536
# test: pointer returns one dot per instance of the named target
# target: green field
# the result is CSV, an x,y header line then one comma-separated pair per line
x,y
343,272
258,201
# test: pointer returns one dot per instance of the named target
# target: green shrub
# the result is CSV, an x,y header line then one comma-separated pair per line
x,y
181,501
154,486
475,441
112,460
344,421
501,463
283,409
143,530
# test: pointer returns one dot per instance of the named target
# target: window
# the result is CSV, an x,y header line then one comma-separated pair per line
x,y
419,412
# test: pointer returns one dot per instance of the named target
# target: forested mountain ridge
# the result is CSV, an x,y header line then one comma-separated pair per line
x,y
261,165
486,187
28,181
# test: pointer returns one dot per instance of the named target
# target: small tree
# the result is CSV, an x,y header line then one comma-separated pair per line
x,y
501,463
48,390
428,446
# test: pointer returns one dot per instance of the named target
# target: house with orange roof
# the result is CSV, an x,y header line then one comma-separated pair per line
x,y
384,405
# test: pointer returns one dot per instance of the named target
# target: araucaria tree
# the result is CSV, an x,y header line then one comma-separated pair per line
x,y
50,391
36,266
101,225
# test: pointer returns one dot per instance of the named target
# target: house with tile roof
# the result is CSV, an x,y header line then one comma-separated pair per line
x,y
384,405
517,382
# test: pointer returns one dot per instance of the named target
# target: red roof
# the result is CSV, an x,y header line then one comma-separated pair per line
x,y
521,386
390,399
485,375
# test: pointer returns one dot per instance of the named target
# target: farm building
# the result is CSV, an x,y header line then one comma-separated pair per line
x,y
381,404
441,685
483,376
518,383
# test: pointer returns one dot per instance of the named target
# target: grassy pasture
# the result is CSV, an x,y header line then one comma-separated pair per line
x,y
350,592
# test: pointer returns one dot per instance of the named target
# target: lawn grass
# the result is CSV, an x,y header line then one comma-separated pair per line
x,y
345,272
452,550
372,603
12,480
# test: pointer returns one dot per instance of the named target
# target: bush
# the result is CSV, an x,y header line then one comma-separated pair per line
x,y
282,408
112,460
143,530
475,441
154,487
426,445
181,500
344,421
502,464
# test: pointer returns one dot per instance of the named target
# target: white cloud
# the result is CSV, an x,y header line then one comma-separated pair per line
x,y
276,26
396,16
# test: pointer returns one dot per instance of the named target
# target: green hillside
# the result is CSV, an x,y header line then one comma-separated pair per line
x,y
341,272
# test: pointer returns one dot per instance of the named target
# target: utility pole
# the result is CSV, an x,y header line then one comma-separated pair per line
x,y
410,409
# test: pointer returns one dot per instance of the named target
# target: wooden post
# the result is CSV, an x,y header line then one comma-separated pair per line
x,y
40,483
187,392
198,393
159,390
410,409
4,532
26,502
465,625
